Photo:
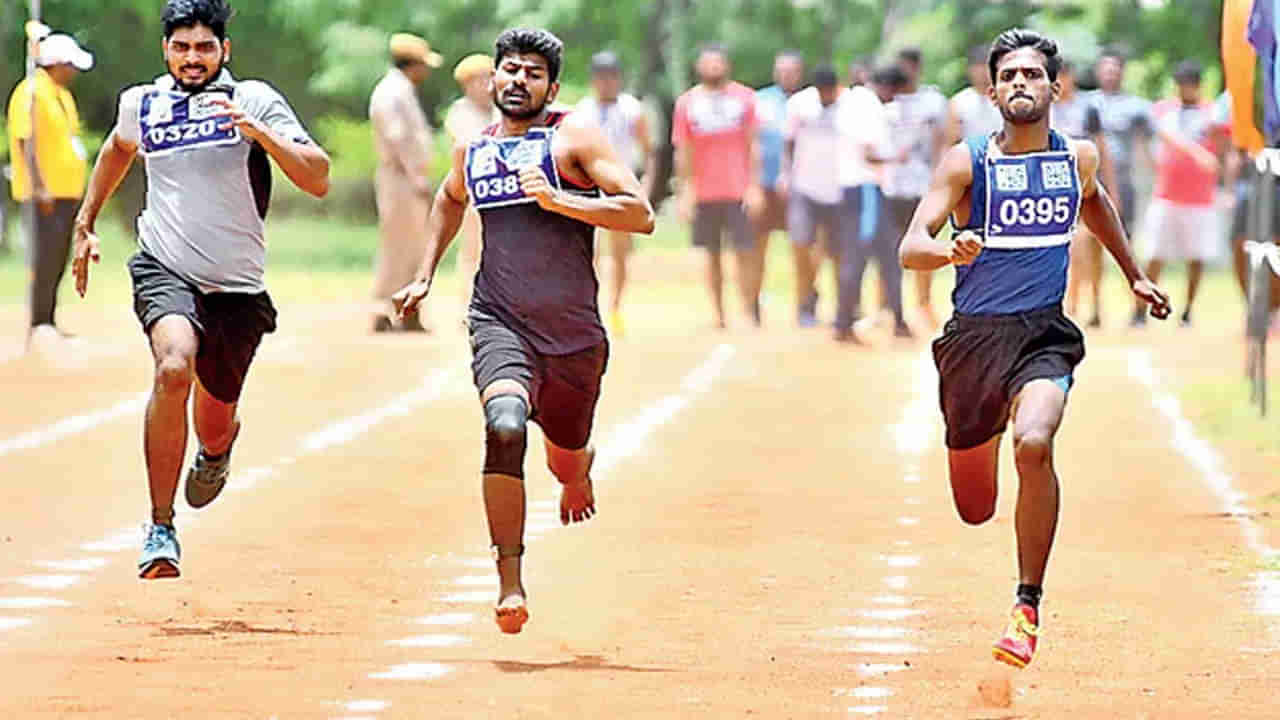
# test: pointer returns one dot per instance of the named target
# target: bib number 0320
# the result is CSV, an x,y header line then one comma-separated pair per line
x,y
497,187
184,132
1035,211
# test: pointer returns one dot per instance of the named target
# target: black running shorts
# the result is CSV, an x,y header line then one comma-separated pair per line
x,y
563,389
230,325
985,360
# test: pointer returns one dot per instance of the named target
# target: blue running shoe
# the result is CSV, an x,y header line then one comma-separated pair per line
x,y
160,553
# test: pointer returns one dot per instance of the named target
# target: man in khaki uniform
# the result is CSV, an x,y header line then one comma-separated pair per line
x,y
403,186
468,116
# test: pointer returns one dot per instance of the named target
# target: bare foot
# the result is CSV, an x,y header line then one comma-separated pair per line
x,y
511,614
578,500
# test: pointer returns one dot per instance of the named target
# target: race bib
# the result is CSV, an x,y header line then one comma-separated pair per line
x,y
493,167
1032,201
174,122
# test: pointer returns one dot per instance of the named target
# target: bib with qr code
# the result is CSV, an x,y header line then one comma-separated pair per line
x,y
1033,200
174,122
493,167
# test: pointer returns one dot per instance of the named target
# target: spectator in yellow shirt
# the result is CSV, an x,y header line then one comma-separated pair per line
x,y
44,125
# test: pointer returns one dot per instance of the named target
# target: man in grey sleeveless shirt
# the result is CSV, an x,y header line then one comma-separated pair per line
x,y
198,284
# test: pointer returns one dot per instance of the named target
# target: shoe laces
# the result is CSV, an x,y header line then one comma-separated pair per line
x,y
157,537
1021,627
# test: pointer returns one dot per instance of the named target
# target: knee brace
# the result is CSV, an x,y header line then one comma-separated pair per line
x,y
505,418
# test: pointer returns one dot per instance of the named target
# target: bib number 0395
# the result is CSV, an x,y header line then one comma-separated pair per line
x,y
1035,211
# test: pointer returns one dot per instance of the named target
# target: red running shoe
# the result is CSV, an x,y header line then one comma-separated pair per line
x,y
1019,641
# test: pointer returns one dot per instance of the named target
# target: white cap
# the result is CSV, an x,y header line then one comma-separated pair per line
x,y
60,48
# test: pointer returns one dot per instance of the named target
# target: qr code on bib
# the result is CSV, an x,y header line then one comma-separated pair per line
x,y
1011,178
1057,175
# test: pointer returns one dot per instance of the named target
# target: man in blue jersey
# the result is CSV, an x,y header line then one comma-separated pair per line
x,y
1009,352
543,181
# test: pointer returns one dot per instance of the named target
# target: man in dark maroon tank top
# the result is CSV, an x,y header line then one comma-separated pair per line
x,y
542,181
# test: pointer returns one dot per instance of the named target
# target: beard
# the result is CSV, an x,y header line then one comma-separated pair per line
x,y
521,113
1024,115
196,87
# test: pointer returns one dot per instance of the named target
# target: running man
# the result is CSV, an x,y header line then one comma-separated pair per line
x,y
623,119
198,285
543,182
1009,352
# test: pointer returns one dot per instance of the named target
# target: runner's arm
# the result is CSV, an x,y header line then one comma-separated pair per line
x,y
919,249
109,170
446,213
1099,214
621,205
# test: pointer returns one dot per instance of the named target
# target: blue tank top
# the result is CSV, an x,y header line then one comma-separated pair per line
x,y
1025,207
536,272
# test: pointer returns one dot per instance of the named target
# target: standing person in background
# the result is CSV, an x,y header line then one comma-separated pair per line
x,y
1079,119
718,166
860,70
54,183
1182,221
812,145
918,127
771,104
468,116
402,139
623,119
971,111
1126,123
864,137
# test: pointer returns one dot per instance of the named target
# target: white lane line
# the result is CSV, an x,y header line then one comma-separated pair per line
x,y
477,597
902,543
48,582
897,582
871,693
864,632
911,479
901,561
890,614
890,600
343,432
72,426
476,580
486,563
31,603
907,521
914,501
868,709
367,706
413,671
446,619
119,541
79,565
1201,455
886,648
12,623
431,641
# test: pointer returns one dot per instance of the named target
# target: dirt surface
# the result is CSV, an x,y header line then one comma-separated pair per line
x,y
775,540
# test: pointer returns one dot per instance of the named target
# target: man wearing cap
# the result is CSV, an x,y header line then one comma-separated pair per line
x,y
468,116
402,139
45,126
624,122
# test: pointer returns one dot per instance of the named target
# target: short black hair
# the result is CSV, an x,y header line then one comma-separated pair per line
x,y
1066,67
1188,71
792,54
521,41
405,62
1018,38
1119,53
890,76
606,61
215,14
911,54
714,48
824,76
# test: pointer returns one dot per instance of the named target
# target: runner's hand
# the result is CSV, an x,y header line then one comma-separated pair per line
x,y
86,249
235,116
1151,293
965,247
686,206
753,202
534,183
410,297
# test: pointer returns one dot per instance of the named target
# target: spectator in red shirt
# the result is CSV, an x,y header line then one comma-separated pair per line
x,y
718,163
1181,223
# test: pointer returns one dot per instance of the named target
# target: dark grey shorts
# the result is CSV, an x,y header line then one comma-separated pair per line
x,y
563,389
713,220
805,216
230,325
